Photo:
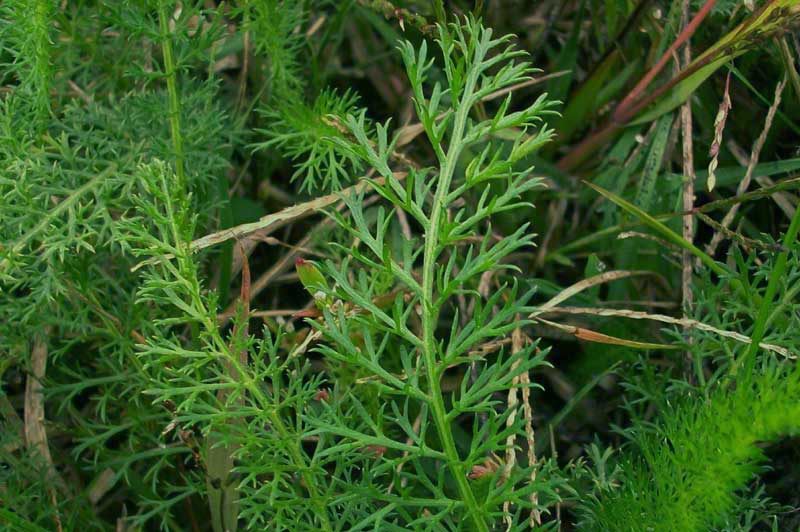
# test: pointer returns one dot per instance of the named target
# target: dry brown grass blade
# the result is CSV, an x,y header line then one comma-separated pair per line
x,y
683,322
35,433
585,284
223,496
101,485
599,338
719,128
687,192
755,154
527,412
271,222
511,406
785,200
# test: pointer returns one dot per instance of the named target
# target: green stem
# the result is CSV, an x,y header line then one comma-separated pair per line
x,y
175,131
441,15
430,313
255,391
174,105
226,255
775,277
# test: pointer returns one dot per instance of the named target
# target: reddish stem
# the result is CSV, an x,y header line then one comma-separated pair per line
x,y
623,113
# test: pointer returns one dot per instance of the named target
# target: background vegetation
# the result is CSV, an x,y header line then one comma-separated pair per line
x,y
372,265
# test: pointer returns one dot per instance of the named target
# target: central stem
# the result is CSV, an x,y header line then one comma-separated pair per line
x,y
430,315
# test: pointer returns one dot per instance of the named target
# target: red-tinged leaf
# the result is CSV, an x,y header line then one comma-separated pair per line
x,y
244,293
600,338
308,313
322,395
310,276
377,450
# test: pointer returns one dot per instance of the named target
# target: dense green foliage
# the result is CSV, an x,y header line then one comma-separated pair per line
x,y
317,265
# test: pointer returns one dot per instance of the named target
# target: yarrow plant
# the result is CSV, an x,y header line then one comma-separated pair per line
x,y
404,387
384,328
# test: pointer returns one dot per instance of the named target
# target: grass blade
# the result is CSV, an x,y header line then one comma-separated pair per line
x,y
665,231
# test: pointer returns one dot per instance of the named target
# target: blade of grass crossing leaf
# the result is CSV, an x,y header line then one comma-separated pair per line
x,y
786,184
684,322
617,82
625,157
597,236
610,230
627,254
586,284
789,66
665,231
605,82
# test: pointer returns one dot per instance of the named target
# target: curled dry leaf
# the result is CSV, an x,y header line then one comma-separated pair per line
x,y
719,127
490,466
585,284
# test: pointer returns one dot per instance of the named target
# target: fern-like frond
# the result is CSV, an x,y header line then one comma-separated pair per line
x,y
684,475
312,137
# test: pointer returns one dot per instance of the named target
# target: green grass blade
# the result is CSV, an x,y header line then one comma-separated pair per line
x,y
665,231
